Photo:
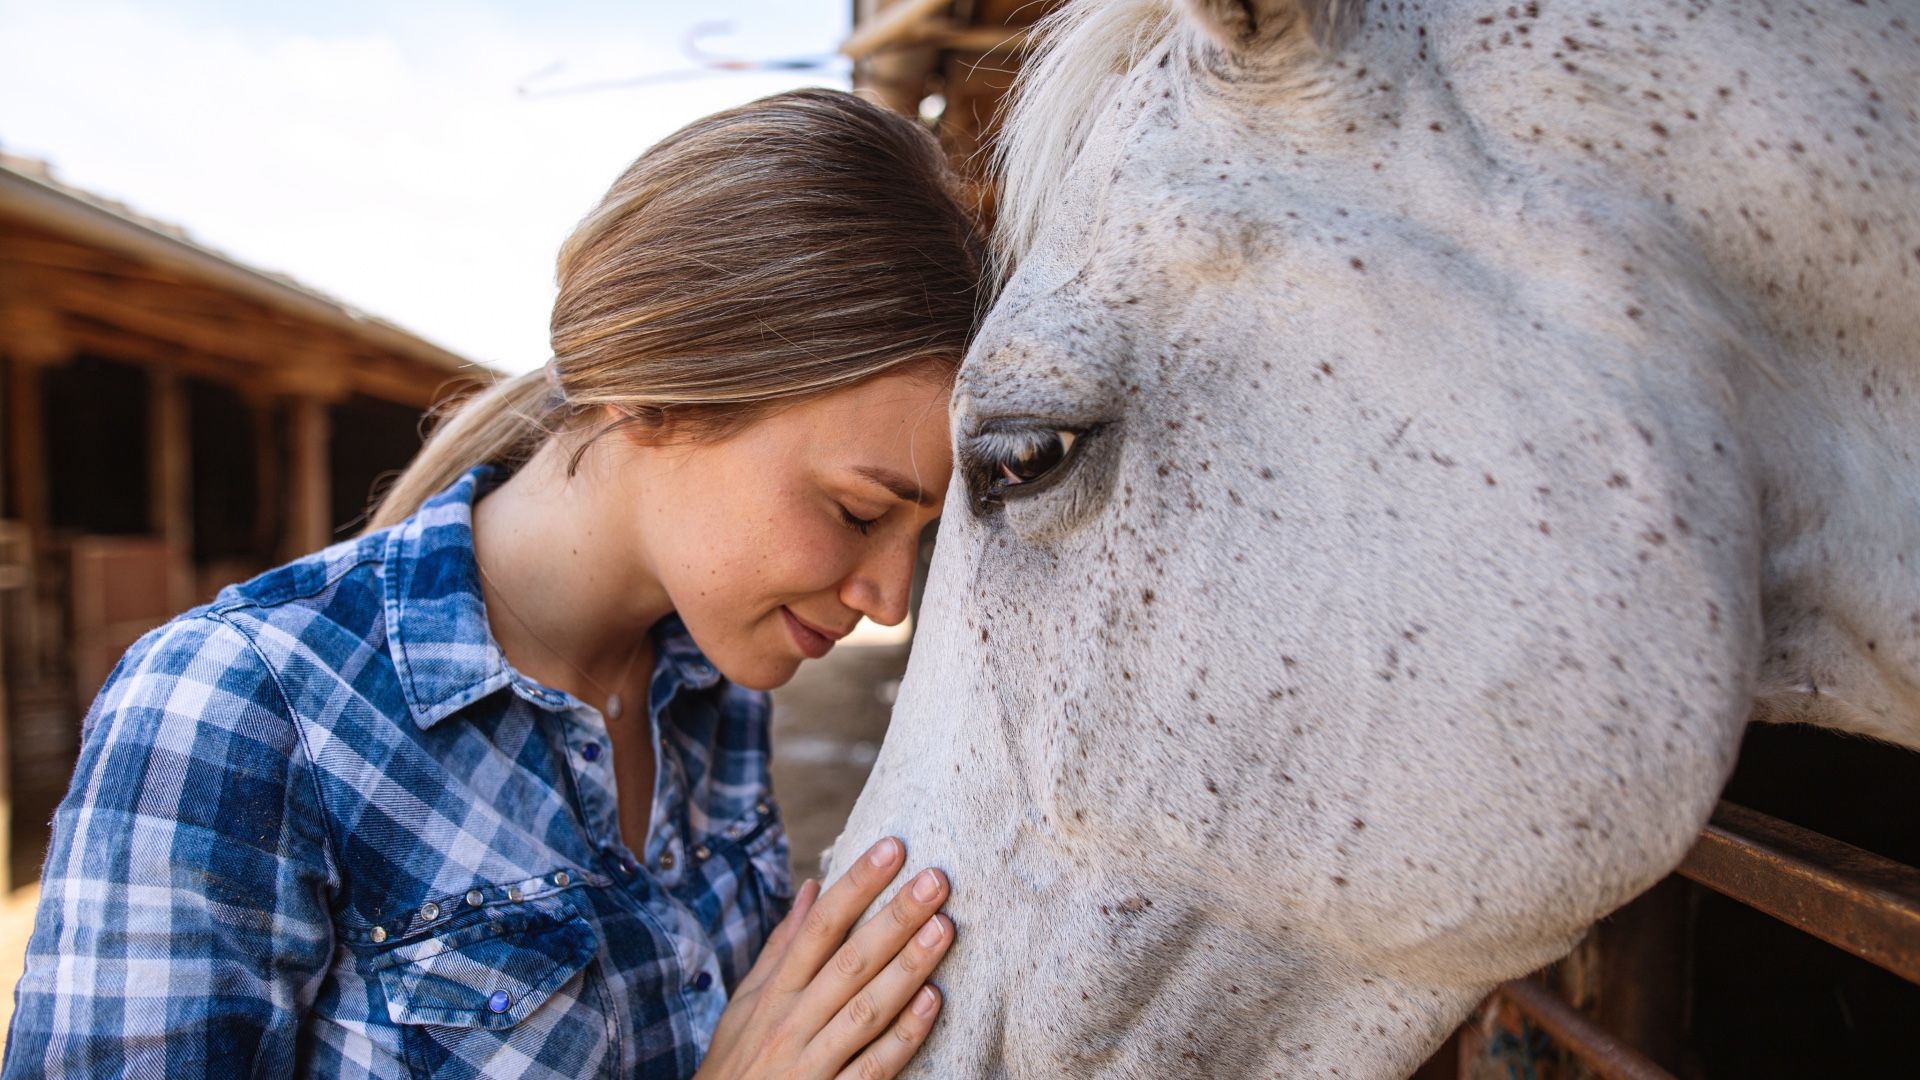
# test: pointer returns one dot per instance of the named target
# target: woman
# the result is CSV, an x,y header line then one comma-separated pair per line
x,y
484,790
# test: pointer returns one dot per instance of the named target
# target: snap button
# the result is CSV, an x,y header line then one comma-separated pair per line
x,y
763,808
700,854
379,934
561,878
702,981
591,751
513,893
475,898
629,869
666,859
499,1002
429,911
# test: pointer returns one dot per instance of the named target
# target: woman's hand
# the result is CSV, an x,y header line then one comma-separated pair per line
x,y
819,1005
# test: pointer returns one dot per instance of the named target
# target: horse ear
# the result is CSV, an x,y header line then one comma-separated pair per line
x,y
1245,25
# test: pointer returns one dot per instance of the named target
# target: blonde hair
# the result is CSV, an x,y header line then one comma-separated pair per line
x,y
780,250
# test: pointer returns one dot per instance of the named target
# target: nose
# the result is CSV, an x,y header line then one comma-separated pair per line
x,y
881,585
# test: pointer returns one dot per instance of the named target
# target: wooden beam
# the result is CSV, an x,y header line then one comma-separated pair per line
x,y
891,27
971,39
254,341
57,211
309,487
336,375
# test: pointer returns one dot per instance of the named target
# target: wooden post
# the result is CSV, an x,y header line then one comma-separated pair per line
x,y
26,440
170,487
268,512
31,337
309,487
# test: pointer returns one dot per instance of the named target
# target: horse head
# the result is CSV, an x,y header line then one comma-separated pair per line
x,y
1393,470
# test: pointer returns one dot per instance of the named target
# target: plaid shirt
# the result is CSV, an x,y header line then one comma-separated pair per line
x,y
320,827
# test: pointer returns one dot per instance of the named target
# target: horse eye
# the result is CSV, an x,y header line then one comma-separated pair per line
x,y
1005,459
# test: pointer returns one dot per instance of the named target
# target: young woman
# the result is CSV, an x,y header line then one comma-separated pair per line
x,y
484,791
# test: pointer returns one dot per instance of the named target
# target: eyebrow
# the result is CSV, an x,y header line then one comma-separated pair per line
x,y
900,486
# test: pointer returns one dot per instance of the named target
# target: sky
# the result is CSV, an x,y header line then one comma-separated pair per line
x,y
382,152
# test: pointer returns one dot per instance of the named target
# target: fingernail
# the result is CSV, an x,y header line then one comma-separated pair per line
x,y
931,933
926,886
883,852
924,1000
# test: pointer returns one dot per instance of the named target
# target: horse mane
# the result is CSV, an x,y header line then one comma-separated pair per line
x,y
1084,50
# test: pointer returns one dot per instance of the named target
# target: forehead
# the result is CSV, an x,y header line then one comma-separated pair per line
x,y
897,420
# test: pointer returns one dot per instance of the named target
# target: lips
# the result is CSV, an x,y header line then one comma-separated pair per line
x,y
814,641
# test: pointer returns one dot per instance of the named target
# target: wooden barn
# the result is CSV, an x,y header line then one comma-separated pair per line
x,y
173,421
1787,944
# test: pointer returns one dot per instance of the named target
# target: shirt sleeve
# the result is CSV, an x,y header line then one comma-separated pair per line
x,y
183,926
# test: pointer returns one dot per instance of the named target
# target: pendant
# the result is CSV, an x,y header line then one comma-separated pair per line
x,y
613,706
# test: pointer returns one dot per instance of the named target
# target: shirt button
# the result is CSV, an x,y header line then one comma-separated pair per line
x,y
666,859
591,751
561,878
429,911
763,808
513,893
475,898
379,934
701,854
702,981
629,869
499,1002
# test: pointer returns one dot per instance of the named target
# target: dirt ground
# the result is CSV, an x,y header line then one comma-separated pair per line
x,y
827,726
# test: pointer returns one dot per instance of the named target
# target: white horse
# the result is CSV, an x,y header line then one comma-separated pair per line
x,y
1413,442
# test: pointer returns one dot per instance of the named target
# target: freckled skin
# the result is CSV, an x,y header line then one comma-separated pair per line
x,y
1480,432
736,529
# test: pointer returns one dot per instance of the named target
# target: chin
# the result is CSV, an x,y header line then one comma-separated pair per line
x,y
757,672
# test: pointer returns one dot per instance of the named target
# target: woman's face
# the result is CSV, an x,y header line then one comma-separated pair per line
x,y
773,542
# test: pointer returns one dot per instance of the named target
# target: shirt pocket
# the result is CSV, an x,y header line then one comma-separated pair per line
x,y
514,992
742,888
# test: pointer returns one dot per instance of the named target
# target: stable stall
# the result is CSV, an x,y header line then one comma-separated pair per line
x,y
174,421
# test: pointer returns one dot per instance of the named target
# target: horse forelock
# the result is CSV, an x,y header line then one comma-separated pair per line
x,y
1085,50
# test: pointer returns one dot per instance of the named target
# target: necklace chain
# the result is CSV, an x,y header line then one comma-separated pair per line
x,y
613,698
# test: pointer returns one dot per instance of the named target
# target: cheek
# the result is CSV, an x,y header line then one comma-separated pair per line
x,y
810,559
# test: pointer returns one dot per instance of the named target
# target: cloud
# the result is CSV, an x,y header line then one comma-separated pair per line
x,y
389,163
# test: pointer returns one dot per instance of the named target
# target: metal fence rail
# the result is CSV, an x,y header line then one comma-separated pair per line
x,y
1865,904
1841,894
1608,1057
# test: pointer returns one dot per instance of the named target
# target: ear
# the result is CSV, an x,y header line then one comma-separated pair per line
x,y
1247,25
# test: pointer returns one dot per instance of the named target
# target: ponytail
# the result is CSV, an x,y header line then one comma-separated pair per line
x,y
502,424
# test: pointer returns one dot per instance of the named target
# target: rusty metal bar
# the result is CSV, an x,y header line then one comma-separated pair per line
x,y
1859,901
1609,1058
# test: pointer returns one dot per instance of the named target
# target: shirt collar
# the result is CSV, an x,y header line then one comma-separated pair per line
x,y
443,649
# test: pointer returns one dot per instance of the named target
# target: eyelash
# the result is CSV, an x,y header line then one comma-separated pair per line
x,y
859,525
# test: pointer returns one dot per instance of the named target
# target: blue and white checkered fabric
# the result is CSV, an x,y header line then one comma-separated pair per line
x,y
320,828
